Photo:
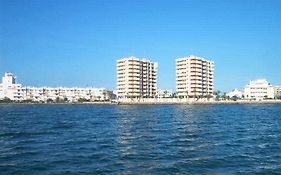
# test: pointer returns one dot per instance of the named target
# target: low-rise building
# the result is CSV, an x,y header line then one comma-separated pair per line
x,y
235,93
164,93
259,90
10,89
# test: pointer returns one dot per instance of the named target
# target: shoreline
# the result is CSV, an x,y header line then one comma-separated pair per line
x,y
79,103
157,103
201,103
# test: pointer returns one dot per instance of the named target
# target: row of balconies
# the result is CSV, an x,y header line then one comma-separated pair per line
x,y
136,72
193,87
182,65
138,91
122,69
134,76
181,80
184,71
183,74
134,64
181,68
200,68
181,86
202,75
130,71
194,93
121,64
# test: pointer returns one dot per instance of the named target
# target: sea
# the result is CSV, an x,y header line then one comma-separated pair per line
x,y
140,139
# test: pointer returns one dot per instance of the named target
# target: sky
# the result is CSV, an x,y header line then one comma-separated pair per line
x,y
77,42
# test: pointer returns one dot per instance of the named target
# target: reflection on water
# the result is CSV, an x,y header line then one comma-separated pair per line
x,y
164,139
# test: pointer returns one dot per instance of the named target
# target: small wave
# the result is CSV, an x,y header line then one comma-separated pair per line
x,y
22,134
63,126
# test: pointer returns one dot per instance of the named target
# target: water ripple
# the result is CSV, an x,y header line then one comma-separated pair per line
x,y
164,139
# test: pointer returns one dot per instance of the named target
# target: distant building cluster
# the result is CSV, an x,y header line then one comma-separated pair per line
x,y
9,88
137,81
259,89
137,78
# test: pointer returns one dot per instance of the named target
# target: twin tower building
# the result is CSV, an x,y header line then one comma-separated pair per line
x,y
137,78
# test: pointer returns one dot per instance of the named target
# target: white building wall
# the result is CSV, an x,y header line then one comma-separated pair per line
x,y
259,90
10,89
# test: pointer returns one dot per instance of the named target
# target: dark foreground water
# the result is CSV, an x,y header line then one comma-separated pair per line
x,y
165,139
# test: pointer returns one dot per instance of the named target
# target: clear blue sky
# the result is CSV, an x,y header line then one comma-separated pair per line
x,y
77,42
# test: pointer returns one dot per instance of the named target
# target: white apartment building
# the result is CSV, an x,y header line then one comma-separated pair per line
x,y
136,78
10,89
194,77
236,92
258,90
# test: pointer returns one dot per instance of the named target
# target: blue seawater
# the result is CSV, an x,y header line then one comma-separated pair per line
x,y
156,139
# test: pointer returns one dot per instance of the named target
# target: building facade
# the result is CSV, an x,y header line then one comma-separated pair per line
x,y
136,78
259,90
67,94
277,92
10,89
194,77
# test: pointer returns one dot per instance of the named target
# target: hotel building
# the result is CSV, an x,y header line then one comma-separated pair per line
x,y
258,90
194,77
136,78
